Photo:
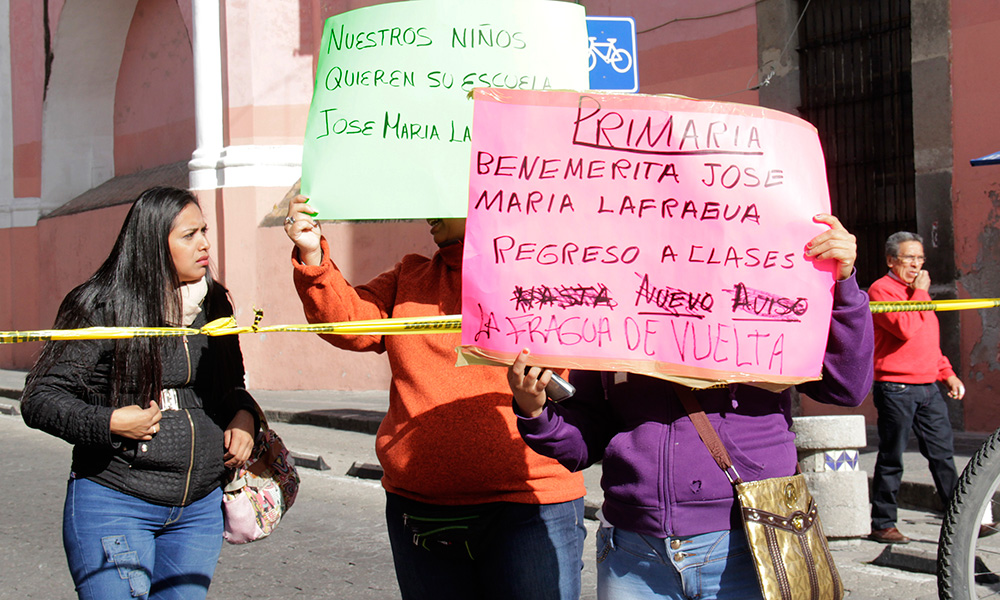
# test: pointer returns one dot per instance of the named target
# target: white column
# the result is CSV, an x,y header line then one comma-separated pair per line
x,y
6,124
206,45
828,450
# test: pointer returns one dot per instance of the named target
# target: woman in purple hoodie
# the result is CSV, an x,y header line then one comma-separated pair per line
x,y
670,527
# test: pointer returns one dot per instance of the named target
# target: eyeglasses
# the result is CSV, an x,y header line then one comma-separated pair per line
x,y
913,260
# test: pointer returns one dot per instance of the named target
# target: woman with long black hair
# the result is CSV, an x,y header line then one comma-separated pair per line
x,y
154,422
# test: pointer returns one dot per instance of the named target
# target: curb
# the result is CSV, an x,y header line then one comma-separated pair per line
x,y
359,421
13,407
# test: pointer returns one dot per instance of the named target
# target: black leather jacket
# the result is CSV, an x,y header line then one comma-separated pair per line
x,y
184,460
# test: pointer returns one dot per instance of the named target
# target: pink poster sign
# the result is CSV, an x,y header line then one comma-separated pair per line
x,y
651,234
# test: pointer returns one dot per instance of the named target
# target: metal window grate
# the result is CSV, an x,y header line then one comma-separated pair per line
x,y
856,90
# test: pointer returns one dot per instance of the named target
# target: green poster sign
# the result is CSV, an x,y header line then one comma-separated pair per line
x,y
390,124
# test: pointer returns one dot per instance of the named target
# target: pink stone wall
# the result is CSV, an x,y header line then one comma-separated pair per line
x,y
268,64
42,264
29,292
71,248
684,50
19,292
154,97
27,57
269,61
976,200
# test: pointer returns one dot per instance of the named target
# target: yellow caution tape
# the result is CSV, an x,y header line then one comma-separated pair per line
x,y
227,326
935,305
399,326
93,333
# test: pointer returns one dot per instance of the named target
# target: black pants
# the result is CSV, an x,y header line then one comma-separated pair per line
x,y
525,552
902,407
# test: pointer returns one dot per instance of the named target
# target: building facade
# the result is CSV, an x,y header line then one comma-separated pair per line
x,y
100,100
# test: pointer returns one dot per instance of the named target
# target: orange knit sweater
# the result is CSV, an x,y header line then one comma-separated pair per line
x,y
450,435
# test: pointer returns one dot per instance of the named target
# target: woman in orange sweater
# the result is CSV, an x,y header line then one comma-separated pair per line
x,y
472,512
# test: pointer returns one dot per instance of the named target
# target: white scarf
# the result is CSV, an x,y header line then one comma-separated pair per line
x,y
192,295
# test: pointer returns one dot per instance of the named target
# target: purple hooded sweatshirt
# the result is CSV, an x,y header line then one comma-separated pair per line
x,y
658,477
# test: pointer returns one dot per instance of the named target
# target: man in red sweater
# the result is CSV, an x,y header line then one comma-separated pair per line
x,y
908,365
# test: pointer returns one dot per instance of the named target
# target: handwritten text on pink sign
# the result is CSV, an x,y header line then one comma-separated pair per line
x,y
653,234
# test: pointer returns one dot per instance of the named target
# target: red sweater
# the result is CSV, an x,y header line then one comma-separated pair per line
x,y
907,344
450,435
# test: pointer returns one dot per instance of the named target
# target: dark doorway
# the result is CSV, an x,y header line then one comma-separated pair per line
x,y
856,90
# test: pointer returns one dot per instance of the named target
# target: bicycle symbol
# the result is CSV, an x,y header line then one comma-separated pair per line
x,y
619,58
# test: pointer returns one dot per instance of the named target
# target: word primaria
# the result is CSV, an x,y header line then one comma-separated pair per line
x,y
528,167
390,36
670,208
750,257
477,37
506,248
656,134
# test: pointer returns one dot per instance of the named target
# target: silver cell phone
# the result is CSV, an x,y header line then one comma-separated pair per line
x,y
558,388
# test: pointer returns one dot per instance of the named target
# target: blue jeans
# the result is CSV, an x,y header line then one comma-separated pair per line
x,y
632,566
121,547
528,552
902,407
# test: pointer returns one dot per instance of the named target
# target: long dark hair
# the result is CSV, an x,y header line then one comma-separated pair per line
x,y
135,287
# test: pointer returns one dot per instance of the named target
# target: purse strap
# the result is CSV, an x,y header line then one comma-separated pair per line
x,y
706,432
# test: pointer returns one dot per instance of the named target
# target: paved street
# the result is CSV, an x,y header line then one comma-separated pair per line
x,y
333,544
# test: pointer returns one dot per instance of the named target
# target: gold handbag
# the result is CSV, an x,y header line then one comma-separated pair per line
x,y
786,537
790,551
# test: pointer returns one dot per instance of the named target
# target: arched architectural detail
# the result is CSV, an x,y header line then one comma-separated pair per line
x,y
78,116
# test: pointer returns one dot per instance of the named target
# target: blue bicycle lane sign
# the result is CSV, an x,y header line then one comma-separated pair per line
x,y
612,54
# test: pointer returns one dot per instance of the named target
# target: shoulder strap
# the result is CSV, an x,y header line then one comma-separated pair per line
x,y
706,432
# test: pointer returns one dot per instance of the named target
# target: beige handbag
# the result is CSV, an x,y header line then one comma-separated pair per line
x,y
790,551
